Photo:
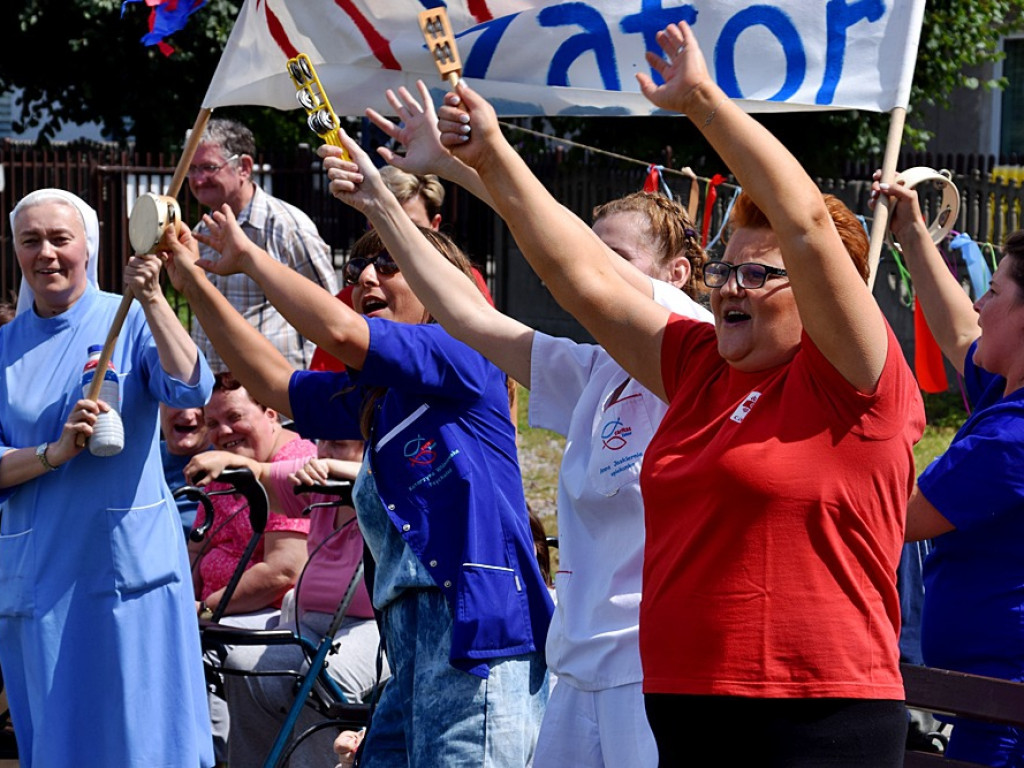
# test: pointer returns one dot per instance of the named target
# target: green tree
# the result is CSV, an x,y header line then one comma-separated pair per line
x,y
79,61
104,73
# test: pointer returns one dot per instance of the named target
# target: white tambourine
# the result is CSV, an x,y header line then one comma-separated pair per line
x,y
151,215
949,206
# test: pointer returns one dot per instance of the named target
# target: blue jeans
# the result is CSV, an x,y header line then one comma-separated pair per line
x,y
431,714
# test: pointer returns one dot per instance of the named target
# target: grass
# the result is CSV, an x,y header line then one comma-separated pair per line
x,y
540,456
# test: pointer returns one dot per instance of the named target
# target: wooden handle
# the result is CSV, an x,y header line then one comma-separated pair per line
x,y
881,220
108,351
180,172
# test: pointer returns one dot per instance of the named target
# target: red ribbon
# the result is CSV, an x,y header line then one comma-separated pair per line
x,y
709,204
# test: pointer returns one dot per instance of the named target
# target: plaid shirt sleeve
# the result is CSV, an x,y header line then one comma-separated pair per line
x,y
290,236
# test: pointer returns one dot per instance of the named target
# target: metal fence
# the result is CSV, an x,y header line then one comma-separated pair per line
x,y
111,180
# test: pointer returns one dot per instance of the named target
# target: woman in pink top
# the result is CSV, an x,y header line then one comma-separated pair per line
x,y
258,704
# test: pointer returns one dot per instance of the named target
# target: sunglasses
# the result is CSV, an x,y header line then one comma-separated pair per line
x,y
382,263
749,275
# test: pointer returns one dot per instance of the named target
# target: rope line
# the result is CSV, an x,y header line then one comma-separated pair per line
x,y
685,173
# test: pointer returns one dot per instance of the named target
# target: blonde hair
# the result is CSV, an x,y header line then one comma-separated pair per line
x,y
670,229
406,186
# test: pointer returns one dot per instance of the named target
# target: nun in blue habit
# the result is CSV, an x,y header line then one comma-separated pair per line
x,y
99,643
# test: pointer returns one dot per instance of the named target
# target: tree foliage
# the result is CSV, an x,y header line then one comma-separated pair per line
x,y
103,73
79,61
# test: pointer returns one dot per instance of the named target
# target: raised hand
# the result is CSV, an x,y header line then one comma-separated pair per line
x,y
417,132
355,182
903,217
469,126
179,252
227,238
142,275
682,67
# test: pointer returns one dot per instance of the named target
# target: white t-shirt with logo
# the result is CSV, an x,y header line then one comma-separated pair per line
x,y
608,419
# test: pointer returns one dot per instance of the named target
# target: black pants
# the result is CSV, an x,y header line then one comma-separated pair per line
x,y
697,731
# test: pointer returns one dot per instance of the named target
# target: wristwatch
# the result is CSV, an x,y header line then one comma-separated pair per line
x,y
41,455
205,614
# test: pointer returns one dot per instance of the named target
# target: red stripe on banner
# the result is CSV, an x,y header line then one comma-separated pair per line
x,y
279,35
379,46
479,10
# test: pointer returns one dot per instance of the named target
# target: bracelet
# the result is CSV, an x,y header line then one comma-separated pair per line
x,y
205,614
41,455
713,112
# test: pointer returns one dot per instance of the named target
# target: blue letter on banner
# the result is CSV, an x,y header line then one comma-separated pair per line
x,y
480,55
596,38
840,17
652,18
780,25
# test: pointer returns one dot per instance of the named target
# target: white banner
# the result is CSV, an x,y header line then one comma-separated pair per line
x,y
541,57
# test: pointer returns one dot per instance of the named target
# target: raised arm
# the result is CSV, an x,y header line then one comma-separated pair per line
x,y
448,296
419,135
836,308
562,250
947,308
424,153
252,359
310,309
179,355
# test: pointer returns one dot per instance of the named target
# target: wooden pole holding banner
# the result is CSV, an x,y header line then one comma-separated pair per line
x,y
177,181
880,224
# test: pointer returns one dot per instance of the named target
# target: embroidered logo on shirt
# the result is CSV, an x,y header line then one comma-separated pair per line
x,y
615,435
420,452
744,408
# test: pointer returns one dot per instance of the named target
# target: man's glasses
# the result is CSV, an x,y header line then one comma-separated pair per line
x,y
383,264
209,169
748,275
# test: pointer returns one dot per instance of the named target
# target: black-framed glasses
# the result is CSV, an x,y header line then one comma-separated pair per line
x,y
748,275
383,264
209,169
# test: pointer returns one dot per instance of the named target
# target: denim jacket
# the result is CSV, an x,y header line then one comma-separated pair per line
x,y
443,453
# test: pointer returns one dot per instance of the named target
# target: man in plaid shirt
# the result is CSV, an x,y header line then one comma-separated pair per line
x,y
221,172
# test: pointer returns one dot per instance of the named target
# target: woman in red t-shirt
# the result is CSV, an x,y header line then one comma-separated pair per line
x,y
775,489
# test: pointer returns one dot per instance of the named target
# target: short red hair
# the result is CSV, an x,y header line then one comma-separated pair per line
x,y
747,215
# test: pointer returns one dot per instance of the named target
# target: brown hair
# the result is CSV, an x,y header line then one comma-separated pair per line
x,y
1013,249
670,230
226,382
745,214
370,245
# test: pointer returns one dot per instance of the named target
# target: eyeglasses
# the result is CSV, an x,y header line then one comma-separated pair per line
x,y
209,169
383,264
748,275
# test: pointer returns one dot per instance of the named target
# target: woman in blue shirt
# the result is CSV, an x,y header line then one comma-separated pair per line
x,y
439,497
971,499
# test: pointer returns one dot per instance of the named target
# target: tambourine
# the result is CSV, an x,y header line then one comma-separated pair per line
x,y
949,206
151,215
